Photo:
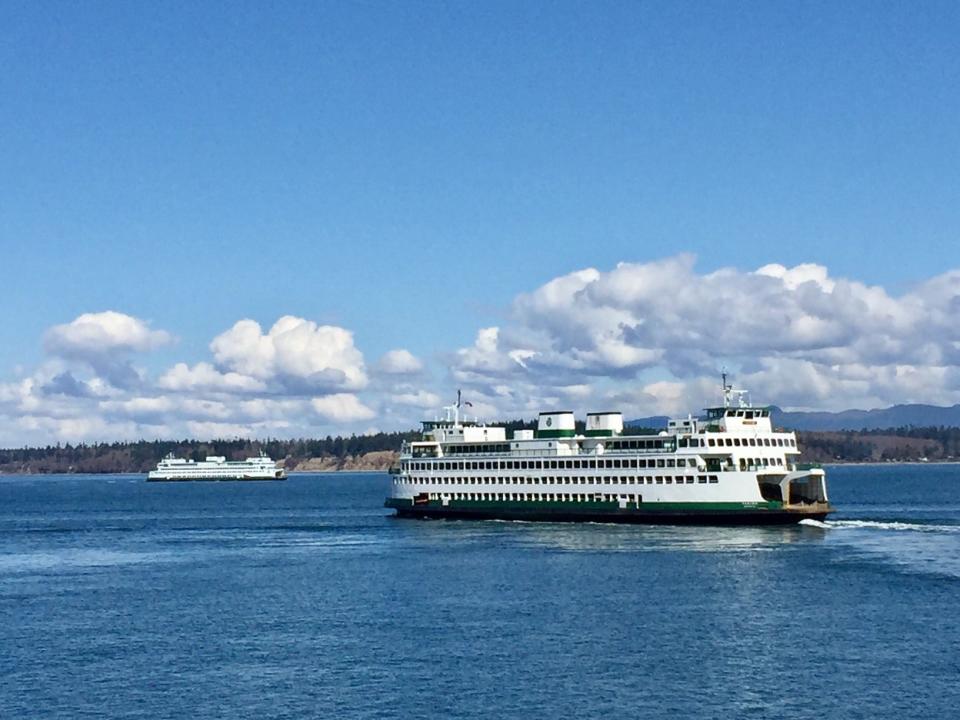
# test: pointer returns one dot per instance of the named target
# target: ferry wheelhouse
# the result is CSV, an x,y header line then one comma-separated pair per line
x,y
216,467
728,467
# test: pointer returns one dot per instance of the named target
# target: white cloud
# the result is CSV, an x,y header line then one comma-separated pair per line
x,y
644,338
297,353
203,376
104,341
341,407
399,362
798,334
94,334
418,399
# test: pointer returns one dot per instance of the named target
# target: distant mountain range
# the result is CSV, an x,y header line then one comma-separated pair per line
x,y
891,417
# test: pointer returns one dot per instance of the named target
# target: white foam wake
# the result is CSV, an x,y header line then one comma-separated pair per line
x,y
814,523
880,525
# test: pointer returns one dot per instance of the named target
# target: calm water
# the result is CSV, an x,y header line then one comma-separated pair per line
x,y
123,599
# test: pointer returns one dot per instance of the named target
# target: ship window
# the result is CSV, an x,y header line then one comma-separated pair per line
x,y
671,462
661,462
633,463
668,480
659,480
701,478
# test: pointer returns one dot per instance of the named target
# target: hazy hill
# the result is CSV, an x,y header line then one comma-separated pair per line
x,y
897,416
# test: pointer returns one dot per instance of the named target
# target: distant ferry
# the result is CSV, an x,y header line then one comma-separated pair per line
x,y
728,467
216,467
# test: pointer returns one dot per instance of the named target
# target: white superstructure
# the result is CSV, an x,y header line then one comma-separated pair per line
x,y
217,467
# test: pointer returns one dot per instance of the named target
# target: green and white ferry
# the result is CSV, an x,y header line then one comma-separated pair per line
x,y
728,467
216,467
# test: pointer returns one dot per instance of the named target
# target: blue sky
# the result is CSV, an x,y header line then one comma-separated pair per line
x,y
407,171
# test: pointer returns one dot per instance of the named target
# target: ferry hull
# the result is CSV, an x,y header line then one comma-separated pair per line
x,y
214,479
649,514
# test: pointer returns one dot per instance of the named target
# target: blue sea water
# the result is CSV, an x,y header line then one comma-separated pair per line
x,y
123,599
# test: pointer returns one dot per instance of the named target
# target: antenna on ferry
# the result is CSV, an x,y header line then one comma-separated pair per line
x,y
727,389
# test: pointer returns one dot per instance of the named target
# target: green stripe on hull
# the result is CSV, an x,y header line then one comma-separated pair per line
x,y
740,513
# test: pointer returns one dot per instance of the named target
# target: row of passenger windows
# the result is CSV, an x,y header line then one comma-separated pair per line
x,y
639,444
458,449
737,442
608,463
539,497
608,480
754,463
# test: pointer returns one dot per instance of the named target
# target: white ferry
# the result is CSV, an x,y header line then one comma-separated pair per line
x,y
728,467
216,467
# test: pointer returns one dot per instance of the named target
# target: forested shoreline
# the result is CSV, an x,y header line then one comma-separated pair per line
x,y
378,451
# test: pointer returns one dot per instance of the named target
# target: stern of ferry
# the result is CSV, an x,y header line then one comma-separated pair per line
x,y
802,492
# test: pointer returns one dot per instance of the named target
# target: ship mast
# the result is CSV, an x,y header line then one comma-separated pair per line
x,y
453,412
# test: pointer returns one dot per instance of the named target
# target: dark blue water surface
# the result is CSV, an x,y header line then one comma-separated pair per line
x,y
123,599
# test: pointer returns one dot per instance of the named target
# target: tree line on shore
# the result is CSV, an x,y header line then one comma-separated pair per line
x,y
899,444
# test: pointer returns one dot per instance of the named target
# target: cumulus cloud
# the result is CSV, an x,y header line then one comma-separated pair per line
x,y
399,362
95,334
104,341
341,407
644,338
418,399
799,335
297,378
297,353
66,384
203,376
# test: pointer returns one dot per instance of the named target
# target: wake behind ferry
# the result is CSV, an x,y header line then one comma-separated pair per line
x,y
727,467
216,467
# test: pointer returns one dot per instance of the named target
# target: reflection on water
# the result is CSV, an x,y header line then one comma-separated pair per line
x,y
67,558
